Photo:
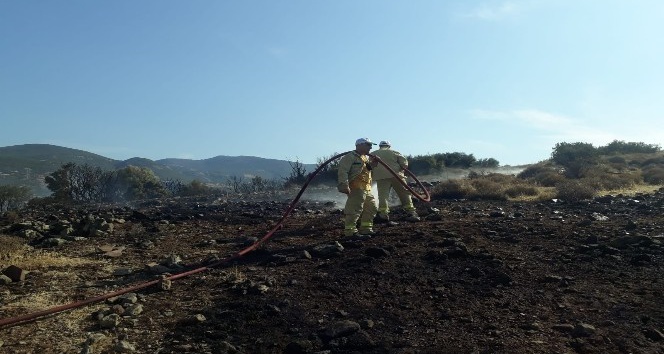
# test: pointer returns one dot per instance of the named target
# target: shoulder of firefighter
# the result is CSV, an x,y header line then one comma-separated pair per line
x,y
352,166
391,158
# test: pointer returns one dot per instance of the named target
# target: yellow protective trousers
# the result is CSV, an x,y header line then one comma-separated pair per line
x,y
384,187
360,205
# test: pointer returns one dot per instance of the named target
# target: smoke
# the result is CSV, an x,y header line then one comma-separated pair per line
x,y
458,173
326,194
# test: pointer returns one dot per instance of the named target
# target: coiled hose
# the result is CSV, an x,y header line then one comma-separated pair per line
x,y
32,316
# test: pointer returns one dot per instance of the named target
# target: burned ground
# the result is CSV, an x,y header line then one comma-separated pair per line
x,y
471,277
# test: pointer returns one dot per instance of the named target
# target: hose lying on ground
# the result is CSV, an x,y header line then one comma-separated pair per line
x,y
252,247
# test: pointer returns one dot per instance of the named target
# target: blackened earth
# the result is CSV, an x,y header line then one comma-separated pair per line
x,y
471,277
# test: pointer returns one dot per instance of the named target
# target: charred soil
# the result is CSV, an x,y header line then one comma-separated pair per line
x,y
471,277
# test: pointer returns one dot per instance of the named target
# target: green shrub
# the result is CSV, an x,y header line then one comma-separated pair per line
x,y
574,191
566,154
622,147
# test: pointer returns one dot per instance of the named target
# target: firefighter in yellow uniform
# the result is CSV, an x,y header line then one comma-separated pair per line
x,y
354,179
385,182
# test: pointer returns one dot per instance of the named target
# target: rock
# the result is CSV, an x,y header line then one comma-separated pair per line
x,y
625,241
124,347
118,309
301,346
14,273
156,268
172,261
598,217
631,225
110,321
359,340
567,328
653,334
377,252
583,330
340,329
226,348
366,324
95,338
122,272
116,253
134,309
4,280
328,250
53,242
501,278
165,283
552,279
194,320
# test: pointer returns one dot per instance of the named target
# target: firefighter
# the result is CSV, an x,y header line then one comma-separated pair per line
x,y
354,180
385,182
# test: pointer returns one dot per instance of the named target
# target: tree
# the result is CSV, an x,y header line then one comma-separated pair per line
x,y
575,157
13,197
234,182
79,183
487,163
327,174
622,147
298,174
138,183
422,164
195,187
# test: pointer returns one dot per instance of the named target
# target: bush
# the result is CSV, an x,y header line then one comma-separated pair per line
x,y
659,160
612,181
617,160
654,175
195,188
501,178
521,190
486,189
621,147
450,189
568,154
549,179
532,171
487,163
574,191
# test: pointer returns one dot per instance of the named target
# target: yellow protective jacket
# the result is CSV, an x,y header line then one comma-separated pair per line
x,y
394,159
354,172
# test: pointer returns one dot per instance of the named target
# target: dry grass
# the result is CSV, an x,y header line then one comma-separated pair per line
x,y
15,251
633,190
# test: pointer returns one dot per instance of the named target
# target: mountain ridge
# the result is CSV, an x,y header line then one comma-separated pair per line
x,y
28,164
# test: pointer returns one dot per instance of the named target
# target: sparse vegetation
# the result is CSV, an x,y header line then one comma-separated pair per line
x,y
617,166
576,171
13,197
297,176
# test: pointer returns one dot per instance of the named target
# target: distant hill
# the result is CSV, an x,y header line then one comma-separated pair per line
x,y
28,165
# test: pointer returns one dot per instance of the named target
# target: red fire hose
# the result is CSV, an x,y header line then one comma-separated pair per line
x,y
32,316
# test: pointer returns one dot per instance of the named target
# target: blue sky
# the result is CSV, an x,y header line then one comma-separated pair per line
x,y
304,79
